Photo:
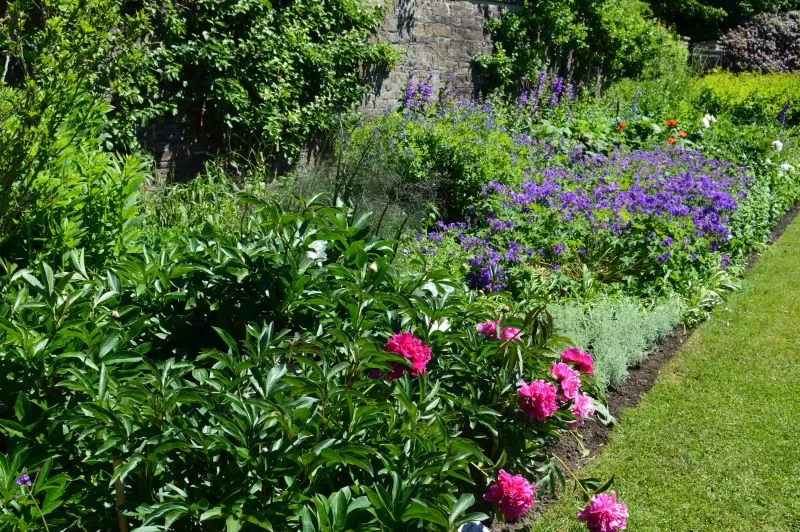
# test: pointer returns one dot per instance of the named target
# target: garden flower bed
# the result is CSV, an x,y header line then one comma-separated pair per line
x,y
231,354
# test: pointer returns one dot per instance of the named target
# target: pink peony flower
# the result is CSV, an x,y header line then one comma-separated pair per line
x,y
488,328
604,514
583,407
569,380
537,400
510,333
512,493
582,361
405,345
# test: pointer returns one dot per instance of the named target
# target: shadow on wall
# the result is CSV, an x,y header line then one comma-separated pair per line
x,y
179,146
405,16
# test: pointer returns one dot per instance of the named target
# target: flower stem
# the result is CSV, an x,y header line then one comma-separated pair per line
x,y
35,503
575,478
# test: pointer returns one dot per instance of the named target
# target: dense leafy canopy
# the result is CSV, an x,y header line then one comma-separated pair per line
x,y
247,73
704,20
580,39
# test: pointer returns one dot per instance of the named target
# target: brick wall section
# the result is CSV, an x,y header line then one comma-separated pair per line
x,y
438,37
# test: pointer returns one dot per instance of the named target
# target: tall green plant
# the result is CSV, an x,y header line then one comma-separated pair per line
x,y
580,39
59,188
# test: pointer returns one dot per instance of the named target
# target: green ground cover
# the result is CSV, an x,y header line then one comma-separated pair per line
x,y
713,446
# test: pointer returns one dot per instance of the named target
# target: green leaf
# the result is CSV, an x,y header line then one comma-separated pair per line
x,y
122,470
420,510
461,506
50,280
211,513
109,344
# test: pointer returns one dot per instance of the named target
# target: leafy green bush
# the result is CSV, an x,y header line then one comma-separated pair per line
x,y
619,332
704,20
250,74
275,72
60,188
751,98
667,97
579,38
242,379
100,46
75,194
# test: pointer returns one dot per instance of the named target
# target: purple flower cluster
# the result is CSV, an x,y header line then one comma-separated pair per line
x,y
420,97
418,94
609,191
662,204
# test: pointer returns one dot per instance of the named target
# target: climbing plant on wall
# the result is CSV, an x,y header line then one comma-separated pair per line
x,y
254,73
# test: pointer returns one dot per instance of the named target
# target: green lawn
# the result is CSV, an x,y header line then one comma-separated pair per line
x,y
715,445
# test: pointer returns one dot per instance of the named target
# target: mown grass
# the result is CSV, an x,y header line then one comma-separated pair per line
x,y
715,445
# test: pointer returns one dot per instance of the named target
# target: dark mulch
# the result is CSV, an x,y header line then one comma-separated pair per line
x,y
640,380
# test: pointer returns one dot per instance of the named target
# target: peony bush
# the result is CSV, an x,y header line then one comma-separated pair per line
x,y
273,378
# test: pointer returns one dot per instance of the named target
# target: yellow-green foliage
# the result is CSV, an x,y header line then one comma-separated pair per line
x,y
750,97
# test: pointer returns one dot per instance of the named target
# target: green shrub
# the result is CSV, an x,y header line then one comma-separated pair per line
x,y
264,75
619,332
667,97
60,187
751,98
69,192
240,381
252,74
580,38
101,46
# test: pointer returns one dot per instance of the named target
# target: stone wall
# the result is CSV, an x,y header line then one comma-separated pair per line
x,y
436,37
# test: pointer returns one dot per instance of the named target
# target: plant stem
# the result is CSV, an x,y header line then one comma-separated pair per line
x,y
38,509
575,478
119,489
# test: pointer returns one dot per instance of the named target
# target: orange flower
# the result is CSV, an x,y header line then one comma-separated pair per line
x,y
672,140
671,123
682,134
620,126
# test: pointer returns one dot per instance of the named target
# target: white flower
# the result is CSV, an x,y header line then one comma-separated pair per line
x,y
373,268
708,120
777,145
786,168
